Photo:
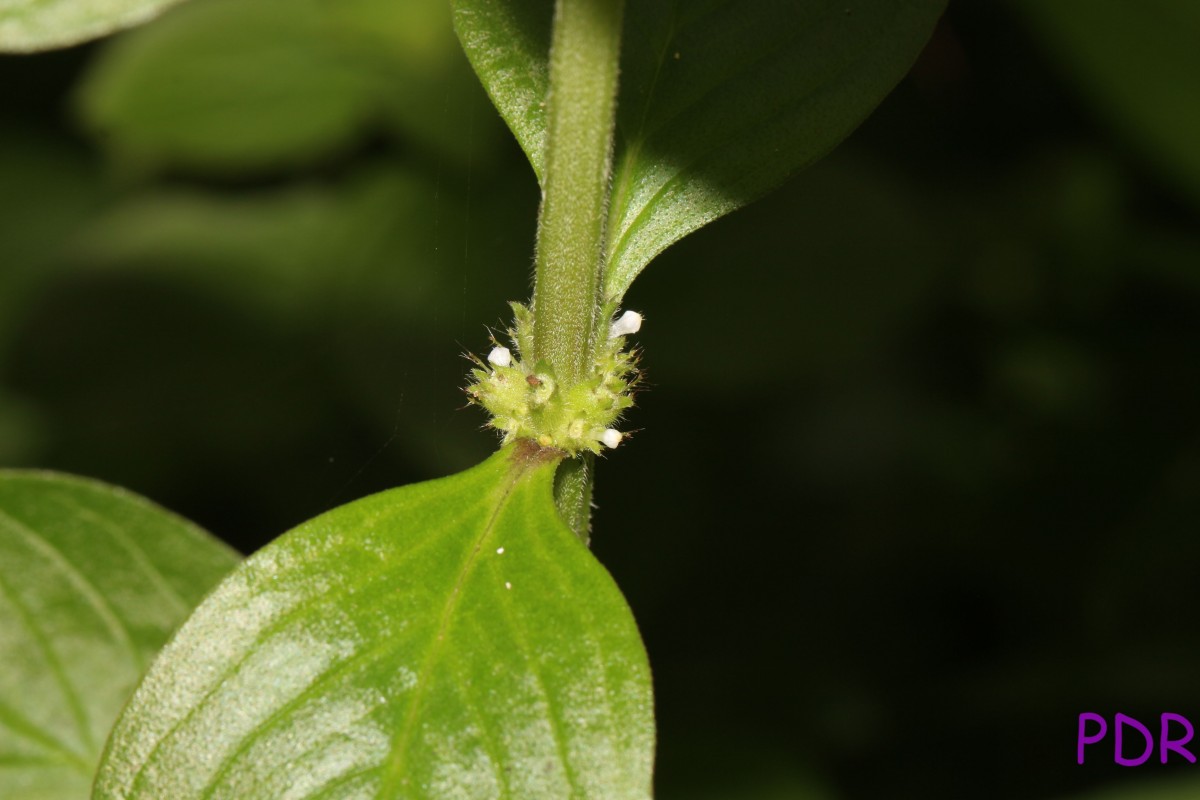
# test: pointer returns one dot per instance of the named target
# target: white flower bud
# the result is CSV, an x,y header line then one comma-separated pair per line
x,y
611,438
500,356
629,322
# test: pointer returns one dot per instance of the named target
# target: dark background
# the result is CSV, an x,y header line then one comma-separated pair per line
x,y
917,474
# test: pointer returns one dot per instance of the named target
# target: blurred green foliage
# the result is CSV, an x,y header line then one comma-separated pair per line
x,y
920,491
1138,64
28,26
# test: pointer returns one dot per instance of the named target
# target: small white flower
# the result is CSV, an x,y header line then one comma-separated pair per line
x,y
500,356
611,438
629,322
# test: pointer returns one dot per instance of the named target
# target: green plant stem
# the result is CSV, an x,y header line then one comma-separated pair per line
x,y
581,104
573,494
581,109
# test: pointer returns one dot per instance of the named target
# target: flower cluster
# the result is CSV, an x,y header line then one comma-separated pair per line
x,y
527,402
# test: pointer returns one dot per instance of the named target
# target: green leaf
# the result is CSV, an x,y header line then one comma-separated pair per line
x,y
50,190
449,639
285,253
432,97
231,85
29,25
92,581
508,44
720,101
1138,63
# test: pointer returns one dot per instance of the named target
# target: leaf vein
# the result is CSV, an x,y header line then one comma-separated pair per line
x,y
556,720
25,728
300,609
100,604
395,773
139,556
70,693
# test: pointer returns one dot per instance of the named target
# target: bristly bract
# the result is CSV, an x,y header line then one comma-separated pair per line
x,y
526,401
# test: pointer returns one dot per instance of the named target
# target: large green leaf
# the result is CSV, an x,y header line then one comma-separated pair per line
x,y
28,25
450,639
92,581
1139,64
719,100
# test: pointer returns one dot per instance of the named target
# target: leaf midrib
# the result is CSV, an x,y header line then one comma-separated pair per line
x,y
394,776
337,671
535,670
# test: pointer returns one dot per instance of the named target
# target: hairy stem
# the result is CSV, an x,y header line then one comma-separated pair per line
x,y
581,108
573,494
584,56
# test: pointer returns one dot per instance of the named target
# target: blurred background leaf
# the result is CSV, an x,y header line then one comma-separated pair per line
x,y
239,87
30,25
432,96
912,495
229,85
1138,65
